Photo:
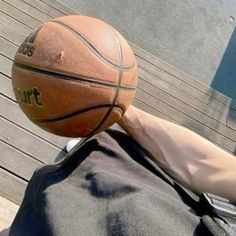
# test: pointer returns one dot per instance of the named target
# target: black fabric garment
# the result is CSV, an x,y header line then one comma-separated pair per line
x,y
108,186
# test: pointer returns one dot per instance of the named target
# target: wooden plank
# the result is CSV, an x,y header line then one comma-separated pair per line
x,y
11,34
17,162
189,91
181,85
5,65
231,122
220,116
29,9
149,109
6,87
19,27
50,11
59,6
8,212
27,143
18,15
186,121
11,111
7,48
180,74
188,110
11,187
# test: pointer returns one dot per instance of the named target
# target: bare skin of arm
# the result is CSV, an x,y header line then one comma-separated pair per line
x,y
187,157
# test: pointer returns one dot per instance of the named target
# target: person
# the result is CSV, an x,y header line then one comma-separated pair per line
x,y
145,179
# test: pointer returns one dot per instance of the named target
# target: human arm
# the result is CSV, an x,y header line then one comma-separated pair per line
x,y
187,157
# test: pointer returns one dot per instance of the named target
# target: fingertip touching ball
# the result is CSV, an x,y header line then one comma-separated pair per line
x,y
74,76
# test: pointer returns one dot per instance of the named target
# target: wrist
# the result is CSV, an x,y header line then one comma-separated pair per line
x,y
131,120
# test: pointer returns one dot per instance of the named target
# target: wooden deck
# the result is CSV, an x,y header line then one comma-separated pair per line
x,y
163,91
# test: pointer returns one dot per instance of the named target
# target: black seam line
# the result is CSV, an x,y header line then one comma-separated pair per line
x,y
74,113
120,71
94,50
68,77
116,93
34,6
15,175
51,5
24,12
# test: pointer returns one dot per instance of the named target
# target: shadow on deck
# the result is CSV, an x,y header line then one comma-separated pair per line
x,y
225,78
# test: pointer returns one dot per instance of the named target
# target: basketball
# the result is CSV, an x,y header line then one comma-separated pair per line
x,y
74,76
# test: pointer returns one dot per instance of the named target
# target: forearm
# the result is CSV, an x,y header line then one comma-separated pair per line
x,y
184,155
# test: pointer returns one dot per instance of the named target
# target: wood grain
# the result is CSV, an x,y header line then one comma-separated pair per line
x,y
189,123
5,65
11,187
6,87
43,8
180,74
11,111
15,161
11,22
191,112
29,8
18,15
184,97
11,35
7,48
145,106
60,7
28,143
8,210
183,86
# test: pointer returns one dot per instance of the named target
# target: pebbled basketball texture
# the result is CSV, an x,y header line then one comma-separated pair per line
x,y
74,76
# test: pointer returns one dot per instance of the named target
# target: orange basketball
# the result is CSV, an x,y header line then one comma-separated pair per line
x,y
74,76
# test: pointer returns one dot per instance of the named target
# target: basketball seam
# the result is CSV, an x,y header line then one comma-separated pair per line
x,y
117,89
74,113
90,45
68,77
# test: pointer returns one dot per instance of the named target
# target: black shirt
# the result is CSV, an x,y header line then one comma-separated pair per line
x,y
108,186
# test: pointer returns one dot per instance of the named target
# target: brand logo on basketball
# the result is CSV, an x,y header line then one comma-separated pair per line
x,y
29,97
27,47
